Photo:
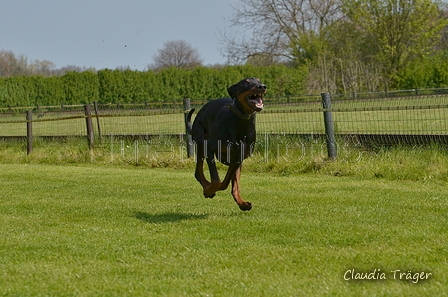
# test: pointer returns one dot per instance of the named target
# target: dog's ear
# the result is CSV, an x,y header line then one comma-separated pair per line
x,y
232,91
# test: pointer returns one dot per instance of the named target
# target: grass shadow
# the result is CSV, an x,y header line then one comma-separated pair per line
x,y
167,217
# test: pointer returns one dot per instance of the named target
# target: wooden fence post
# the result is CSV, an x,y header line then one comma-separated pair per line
x,y
89,125
29,132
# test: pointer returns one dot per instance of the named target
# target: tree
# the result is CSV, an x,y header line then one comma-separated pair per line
x,y
398,31
11,65
279,28
347,45
176,53
44,67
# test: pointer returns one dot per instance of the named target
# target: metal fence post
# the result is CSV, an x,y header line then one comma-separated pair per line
x,y
29,132
329,126
89,125
189,140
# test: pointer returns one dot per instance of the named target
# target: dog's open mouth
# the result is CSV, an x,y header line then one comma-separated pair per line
x,y
255,101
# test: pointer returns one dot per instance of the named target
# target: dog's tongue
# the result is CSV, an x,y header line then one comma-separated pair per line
x,y
258,102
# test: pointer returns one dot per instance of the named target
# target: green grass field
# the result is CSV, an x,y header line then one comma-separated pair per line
x,y
129,219
98,230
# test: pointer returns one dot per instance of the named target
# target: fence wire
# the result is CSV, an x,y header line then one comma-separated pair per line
x,y
403,115
420,117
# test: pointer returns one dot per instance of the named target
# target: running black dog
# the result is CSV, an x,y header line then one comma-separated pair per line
x,y
225,128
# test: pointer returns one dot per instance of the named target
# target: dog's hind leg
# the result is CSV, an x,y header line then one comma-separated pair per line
x,y
199,173
215,182
244,205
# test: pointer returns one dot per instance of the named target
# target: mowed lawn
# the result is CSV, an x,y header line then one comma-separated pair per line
x,y
129,231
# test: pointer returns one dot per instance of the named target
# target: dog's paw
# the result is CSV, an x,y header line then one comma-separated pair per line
x,y
210,190
245,206
209,195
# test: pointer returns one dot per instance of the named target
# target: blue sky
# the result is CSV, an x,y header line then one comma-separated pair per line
x,y
112,33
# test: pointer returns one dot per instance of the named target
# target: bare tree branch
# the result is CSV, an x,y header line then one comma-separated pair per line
x,y
176,53
271,27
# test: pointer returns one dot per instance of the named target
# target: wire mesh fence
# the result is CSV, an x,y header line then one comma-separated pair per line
x,y
401,115
418,117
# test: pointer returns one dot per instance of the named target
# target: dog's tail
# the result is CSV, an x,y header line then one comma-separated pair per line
x,y
188,122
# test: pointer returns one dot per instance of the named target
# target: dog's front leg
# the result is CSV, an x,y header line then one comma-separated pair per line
x,y
244,205
229,175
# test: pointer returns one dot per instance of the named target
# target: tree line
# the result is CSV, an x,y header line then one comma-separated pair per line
x,y
12,64
128,86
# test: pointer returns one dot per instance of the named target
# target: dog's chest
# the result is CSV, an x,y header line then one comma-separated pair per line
x,y
235,132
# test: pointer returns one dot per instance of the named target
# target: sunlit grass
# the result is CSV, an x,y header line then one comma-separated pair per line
x,y
136,231
284,155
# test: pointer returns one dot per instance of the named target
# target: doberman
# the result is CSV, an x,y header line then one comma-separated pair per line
x,y
225,128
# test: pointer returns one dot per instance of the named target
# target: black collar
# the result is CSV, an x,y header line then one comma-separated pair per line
x,y
239,113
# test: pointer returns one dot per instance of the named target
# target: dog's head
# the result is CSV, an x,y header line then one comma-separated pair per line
x,y
249,93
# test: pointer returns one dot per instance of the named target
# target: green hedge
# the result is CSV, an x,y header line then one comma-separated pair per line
x,y
115,86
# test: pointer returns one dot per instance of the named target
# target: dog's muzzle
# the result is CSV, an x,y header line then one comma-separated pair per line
x,y
255,101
